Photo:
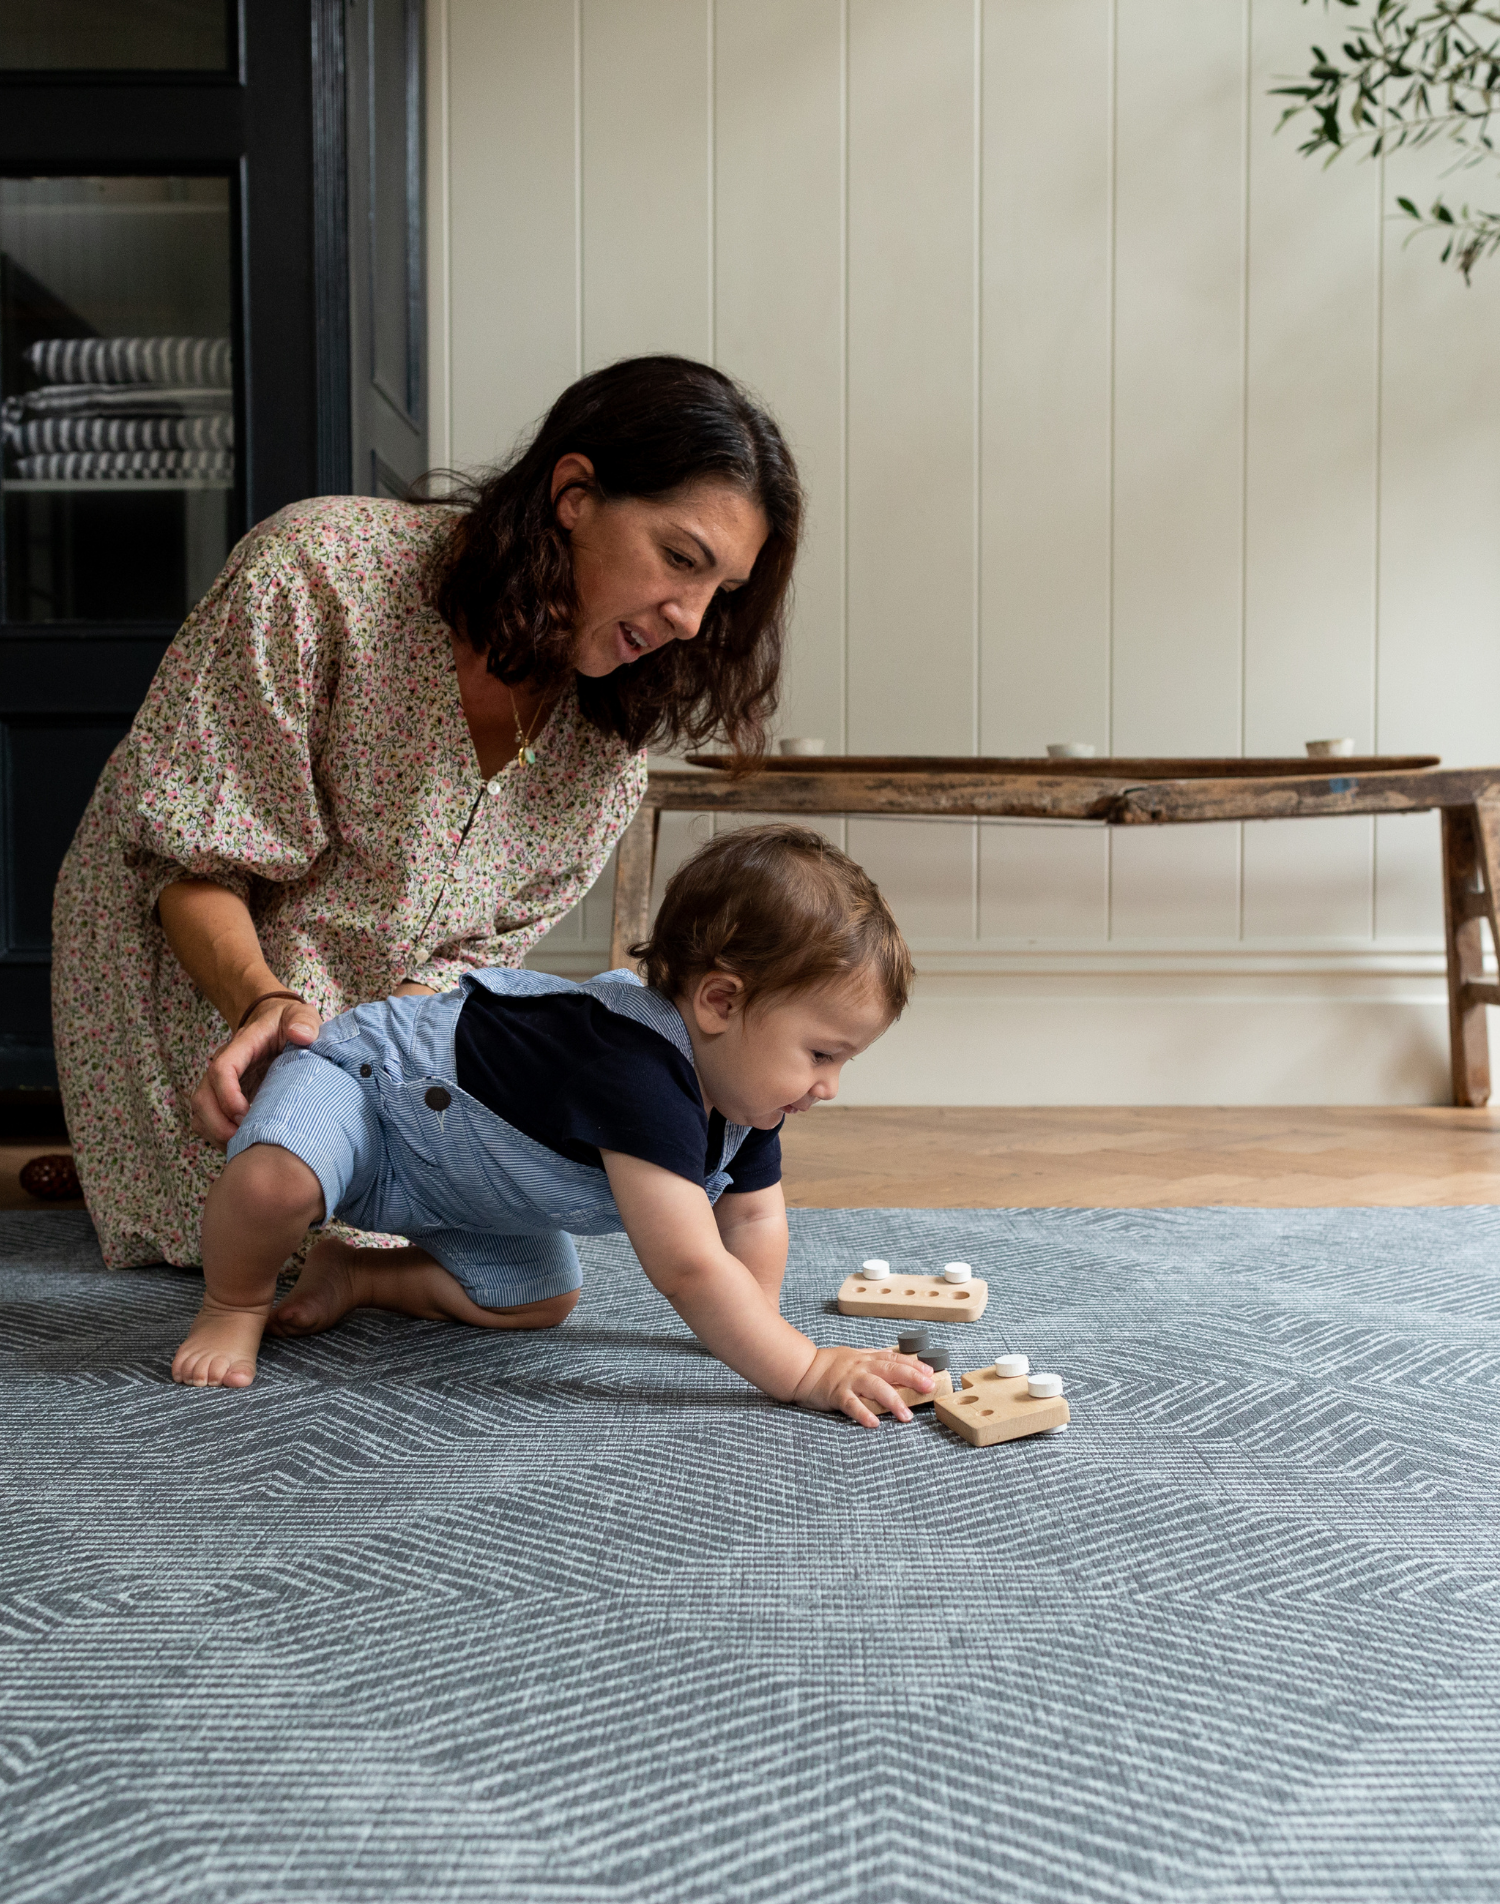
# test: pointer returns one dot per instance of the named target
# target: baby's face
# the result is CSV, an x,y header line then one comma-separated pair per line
x,y
787,1054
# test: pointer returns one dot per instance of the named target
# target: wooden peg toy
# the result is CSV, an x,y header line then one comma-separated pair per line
x,y
990,1408
912,1298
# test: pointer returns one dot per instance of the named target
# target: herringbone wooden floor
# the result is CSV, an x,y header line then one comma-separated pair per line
x,y
1112,1158
1141,1158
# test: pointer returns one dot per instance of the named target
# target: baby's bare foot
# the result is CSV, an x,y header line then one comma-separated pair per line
x,y
219,1351
328,1288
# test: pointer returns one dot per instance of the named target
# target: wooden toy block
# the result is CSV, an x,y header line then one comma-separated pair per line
x,y
990,1408
913,1298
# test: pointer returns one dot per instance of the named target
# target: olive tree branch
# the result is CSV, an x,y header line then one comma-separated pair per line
x,y
1467,235
1410,75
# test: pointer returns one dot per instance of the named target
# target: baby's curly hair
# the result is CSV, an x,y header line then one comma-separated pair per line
x,y
782,909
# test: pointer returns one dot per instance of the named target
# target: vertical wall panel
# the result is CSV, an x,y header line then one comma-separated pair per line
x,y
1174,882
1310,505
513,240
1439,680
437,78
925,870
779,276
1408,876
1043,883
1046,385
1311,419
1179,430
1309,881
1178,377
911,376
1045,408
646,196
912,420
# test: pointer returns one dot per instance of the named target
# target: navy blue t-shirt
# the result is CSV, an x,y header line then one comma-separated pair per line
x,y
579,1078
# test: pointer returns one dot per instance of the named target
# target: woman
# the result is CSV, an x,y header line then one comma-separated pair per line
x,y
397,741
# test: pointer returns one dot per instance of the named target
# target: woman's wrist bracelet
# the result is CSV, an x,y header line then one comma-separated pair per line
x,y
256,1003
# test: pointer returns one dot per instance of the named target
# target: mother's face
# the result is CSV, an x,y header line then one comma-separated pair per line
x,y
646,570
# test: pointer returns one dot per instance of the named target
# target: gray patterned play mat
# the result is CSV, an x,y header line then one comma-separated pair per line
x,y
435,1615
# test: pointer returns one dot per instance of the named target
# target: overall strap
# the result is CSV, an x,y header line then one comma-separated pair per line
x,y
623,993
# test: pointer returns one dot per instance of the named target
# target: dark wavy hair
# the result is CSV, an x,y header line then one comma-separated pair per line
x,y
649,426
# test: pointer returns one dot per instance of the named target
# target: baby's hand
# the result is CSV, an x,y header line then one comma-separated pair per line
x,y
859,1381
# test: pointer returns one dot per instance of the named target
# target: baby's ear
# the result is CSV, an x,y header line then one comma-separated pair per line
x,y
716,998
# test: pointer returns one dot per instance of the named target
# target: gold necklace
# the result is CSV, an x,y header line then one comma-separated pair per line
x,y
525,752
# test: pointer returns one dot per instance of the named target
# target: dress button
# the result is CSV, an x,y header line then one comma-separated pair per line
x,y
437,1099
364,1071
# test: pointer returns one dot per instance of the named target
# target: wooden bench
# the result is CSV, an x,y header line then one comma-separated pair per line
x,y
1122,792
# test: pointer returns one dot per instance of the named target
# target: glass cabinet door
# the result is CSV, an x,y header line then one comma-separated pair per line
x,y
116,396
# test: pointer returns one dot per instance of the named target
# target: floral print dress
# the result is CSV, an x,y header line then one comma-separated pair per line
x,y
303,744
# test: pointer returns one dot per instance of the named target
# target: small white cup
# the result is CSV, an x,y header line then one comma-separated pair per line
x,y
800,745
1329,749
1070,750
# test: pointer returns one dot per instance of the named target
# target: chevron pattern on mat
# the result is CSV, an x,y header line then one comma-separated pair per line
x,y
429,1614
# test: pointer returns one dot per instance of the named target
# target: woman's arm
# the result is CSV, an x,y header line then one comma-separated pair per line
x,y
211,931
214,937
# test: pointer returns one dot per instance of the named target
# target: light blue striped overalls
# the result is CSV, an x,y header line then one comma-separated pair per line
x,y
374,1109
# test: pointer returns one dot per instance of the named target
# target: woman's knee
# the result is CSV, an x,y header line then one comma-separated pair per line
x,y
535,1315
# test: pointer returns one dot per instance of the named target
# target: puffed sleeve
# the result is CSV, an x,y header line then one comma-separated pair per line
x,y
219,775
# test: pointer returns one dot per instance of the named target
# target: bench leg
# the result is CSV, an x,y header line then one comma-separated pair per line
x,y
635,863
1471,885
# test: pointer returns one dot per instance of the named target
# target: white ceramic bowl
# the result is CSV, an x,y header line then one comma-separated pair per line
x,y
1070,750
801,745
1329,749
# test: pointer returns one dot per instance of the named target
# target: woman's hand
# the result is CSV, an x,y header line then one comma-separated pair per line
x,y
235,1070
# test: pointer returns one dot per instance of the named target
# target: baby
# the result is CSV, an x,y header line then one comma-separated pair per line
x,y
489,1122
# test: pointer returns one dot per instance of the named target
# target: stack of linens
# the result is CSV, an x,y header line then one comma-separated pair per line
x,y
112,409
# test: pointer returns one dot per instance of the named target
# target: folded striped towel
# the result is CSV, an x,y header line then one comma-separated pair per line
x,y
159,360
124,465
45,435
112,399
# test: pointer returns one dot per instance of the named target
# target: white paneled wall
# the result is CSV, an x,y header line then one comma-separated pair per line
x,y
1120,422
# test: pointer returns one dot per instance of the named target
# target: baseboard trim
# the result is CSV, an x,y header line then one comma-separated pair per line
x,y
1421,959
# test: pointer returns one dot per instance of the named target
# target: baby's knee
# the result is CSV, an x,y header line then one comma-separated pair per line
x,y
556,1309
266,1183
536,1315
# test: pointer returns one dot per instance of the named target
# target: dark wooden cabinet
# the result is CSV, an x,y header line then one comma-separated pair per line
x,y
211,304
